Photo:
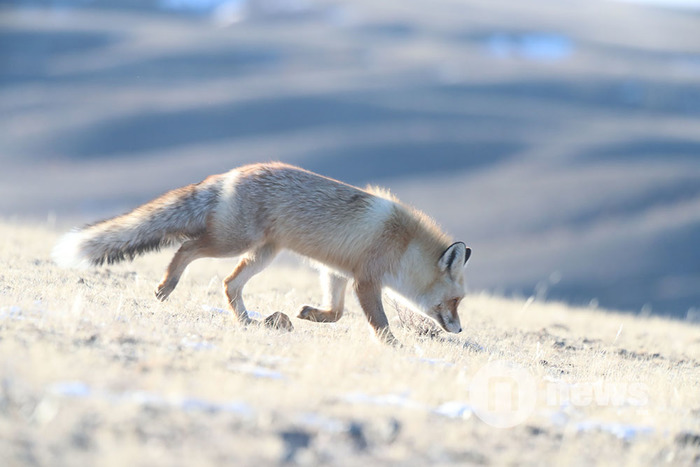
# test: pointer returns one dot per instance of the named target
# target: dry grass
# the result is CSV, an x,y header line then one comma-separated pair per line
x,y
95,371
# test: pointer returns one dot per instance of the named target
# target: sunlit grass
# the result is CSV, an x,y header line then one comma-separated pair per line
x,y
96,371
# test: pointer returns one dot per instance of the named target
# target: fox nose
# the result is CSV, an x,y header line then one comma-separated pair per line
x,y
460,330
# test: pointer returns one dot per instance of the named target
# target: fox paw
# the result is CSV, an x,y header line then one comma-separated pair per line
x,y
310,313
163,291
245,319
386,337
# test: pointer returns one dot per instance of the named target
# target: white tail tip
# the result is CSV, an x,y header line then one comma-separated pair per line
x,y
68,252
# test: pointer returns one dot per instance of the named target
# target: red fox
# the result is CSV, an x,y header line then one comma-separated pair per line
x,y
258,210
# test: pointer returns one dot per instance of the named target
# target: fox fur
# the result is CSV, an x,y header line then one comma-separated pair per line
x,y
257,210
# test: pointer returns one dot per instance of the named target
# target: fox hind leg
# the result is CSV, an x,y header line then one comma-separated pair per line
x,y
334,287
188,252
254,262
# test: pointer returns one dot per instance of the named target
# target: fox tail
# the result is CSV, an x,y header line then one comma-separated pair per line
x,y
176,216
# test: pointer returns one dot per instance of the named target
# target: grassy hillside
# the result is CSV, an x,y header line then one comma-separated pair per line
x,y
559,138
96,371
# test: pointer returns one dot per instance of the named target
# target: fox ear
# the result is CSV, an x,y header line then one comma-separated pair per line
x,y
454,258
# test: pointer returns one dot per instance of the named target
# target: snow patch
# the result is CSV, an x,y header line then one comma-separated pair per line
x,y
81,390
619,430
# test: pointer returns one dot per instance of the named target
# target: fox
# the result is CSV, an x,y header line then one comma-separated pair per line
x,y
366,236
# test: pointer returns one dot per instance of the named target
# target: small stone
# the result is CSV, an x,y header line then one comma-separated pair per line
x,y
356,432
294,440
280,321
688,439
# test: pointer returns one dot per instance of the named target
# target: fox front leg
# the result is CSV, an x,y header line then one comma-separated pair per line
x,y
370,296
254,262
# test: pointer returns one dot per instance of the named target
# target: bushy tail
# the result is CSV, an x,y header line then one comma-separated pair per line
x,y
176,216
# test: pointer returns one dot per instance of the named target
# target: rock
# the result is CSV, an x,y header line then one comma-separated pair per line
x,y
356,432
294,440
688,439
279,321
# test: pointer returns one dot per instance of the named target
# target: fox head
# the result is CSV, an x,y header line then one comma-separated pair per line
x,y
436,289
441,300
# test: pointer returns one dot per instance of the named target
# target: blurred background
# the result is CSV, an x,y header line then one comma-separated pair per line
x,y
560,139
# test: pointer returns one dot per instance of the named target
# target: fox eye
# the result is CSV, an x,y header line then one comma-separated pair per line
x,y
455,302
